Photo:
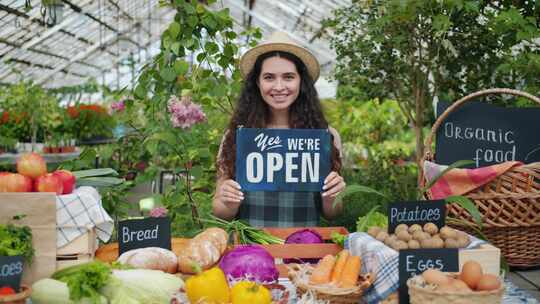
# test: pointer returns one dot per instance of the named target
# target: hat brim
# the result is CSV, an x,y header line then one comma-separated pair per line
x,y
248,60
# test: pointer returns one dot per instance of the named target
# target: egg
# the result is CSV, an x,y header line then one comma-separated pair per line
x,y
471,273
460,286
435,277
488,282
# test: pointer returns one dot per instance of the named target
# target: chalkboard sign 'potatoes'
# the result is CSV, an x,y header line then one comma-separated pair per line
x,y
205,250
416,237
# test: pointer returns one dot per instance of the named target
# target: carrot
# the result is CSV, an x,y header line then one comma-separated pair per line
x,y
340,265
322,272
349,277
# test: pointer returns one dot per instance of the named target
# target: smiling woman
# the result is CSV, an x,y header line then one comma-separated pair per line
x,y
278,92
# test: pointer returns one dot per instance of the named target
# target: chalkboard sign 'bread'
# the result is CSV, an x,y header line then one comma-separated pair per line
x,y
142,233
488,134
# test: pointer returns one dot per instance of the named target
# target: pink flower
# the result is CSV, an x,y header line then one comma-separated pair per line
x,y
118,106
184,112
159,212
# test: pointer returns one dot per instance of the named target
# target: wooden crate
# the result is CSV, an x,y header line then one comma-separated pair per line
x,y
78,251
304,251
109,253
487,255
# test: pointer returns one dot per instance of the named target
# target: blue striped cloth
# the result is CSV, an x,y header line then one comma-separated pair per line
x,y
381,260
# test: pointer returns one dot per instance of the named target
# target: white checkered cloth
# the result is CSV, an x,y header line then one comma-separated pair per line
x,y
382,261
78,212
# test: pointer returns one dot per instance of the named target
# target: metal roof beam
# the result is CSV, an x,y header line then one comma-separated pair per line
x,y
37,39
83,55
268,22
44,66
79,10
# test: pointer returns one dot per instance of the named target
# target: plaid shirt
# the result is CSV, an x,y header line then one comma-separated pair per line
x,y
281,209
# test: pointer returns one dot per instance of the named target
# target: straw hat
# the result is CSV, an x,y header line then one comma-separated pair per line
x,y
280,41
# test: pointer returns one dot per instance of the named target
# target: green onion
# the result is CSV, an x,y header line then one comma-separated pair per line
x,y
246,233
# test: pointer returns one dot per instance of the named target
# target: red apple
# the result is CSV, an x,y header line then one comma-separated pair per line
x,y
68,180
10,182
31,165
48,183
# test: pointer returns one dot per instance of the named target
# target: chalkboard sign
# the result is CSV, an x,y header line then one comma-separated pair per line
x,y
416,261
488,134
282,159
11,270
416,212
142,233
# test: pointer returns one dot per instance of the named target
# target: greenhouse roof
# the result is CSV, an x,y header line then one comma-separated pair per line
x,y
110,39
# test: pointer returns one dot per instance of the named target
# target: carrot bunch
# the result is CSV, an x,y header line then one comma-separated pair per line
x,y
341,270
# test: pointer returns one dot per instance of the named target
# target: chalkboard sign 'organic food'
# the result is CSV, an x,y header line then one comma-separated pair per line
x,y
488,134
11,270
415,261
141,233
282,159
416,212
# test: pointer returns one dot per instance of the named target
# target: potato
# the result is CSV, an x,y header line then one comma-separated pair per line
x,y
403,235
389,239
447,233
381,236
437,242
463,241
414,228
431,228
413,244
418,235
401,226
427,243
451,243
373,231
398,245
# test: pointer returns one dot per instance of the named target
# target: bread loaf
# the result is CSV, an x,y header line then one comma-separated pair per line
x,y
203,250
151,258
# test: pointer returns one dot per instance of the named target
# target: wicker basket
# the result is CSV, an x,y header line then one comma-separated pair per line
x,y
510,204
18,298
299,272
419,293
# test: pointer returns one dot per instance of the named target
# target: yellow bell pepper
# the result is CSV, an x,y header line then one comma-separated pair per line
x,y
250,293
208,287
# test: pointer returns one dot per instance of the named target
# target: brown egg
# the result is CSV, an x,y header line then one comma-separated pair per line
x,y
459,285
471,274
488,282
435,277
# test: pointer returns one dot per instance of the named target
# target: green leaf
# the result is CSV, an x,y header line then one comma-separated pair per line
x,y
167,137
230,35
181,67
174,29
168,74
458,164
140,91
94,172
356,189
211,47
192,21
175,48
101,181
197,171
468,205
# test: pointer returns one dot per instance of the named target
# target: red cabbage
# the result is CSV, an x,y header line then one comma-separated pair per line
x,y
250,262
305,236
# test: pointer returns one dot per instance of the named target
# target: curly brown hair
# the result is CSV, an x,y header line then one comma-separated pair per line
x,y
252,112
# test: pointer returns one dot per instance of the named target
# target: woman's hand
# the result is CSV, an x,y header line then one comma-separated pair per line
x,y
228,191
333,185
